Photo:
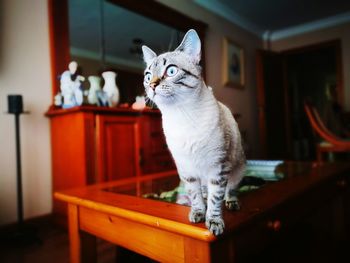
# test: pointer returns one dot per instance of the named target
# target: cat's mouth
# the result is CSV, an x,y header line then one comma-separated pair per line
x,y
161,97
162,91
152,93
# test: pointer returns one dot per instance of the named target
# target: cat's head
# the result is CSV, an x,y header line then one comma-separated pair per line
x,y
174,76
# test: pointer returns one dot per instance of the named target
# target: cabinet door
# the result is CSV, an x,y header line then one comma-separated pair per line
x,y
117,144
156,157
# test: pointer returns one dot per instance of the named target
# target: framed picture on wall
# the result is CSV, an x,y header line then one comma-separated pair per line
x,y
233,64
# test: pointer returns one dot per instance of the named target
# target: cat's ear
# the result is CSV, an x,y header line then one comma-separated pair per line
x,y
148,54
191,45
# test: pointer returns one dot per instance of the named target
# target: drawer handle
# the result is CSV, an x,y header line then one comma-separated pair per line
x,y
274,225
342,183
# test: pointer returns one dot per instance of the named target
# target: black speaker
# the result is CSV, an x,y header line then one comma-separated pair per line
x,y
15,104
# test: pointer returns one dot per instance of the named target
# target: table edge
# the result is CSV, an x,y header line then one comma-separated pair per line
x,y
189,230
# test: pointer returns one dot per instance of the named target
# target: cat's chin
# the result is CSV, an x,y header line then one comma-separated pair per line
x,y
161,100
167,102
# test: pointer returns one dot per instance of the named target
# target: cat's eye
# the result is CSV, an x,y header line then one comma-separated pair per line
x,y
148,77
171,71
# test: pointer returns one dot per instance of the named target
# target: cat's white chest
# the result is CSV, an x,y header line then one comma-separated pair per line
x,y
192,133
180,134
186,136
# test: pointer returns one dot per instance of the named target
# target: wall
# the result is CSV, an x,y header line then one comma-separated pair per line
x,y
341,32
25,69
239,101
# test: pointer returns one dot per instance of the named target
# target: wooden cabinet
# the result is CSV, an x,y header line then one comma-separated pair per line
x,y
91,145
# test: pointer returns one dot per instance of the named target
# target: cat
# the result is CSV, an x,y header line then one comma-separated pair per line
x,y
201,133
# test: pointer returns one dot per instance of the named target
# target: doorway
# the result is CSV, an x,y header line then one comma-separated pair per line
x,y
285,81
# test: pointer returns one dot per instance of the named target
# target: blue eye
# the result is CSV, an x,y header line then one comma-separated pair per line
x,y
171,71
148,77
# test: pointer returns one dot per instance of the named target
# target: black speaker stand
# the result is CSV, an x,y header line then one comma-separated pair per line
x,y
20,234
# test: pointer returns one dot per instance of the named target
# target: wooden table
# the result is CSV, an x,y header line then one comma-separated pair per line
x,y
117,212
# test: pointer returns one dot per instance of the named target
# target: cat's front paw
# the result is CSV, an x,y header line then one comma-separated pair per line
x,y
215,225
196,216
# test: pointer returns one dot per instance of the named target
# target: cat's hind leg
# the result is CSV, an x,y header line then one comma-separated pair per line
x,y
194,191
231,199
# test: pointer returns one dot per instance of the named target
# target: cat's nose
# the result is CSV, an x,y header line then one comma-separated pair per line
x,y
154,83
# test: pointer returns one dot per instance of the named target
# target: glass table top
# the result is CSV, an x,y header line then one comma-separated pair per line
x,y
168,188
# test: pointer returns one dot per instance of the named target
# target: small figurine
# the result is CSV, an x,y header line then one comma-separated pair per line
x,y
102,98
58,99
139,104
95,85
110,88
71,88
78,90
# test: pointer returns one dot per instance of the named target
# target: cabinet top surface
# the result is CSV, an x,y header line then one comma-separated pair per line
x,y
125,198
55,111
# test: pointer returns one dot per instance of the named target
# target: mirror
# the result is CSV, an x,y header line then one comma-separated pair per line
x,y
104,35
108,34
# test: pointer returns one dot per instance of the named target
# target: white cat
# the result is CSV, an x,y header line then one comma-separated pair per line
x,y
201,132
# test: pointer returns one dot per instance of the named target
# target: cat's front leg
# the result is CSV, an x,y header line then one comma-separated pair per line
x,y
216,192
193,188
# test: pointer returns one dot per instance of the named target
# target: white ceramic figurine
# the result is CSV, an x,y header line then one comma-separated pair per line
x,y
95,85
110,88
71,89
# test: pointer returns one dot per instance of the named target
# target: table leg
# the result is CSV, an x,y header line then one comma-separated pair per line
x,y
222,250
196,251
82,245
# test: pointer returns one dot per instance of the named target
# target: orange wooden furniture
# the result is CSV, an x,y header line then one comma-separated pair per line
x,y
331,143
97,144
116,212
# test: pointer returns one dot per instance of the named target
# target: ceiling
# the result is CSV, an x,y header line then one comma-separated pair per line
x,y
259,16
